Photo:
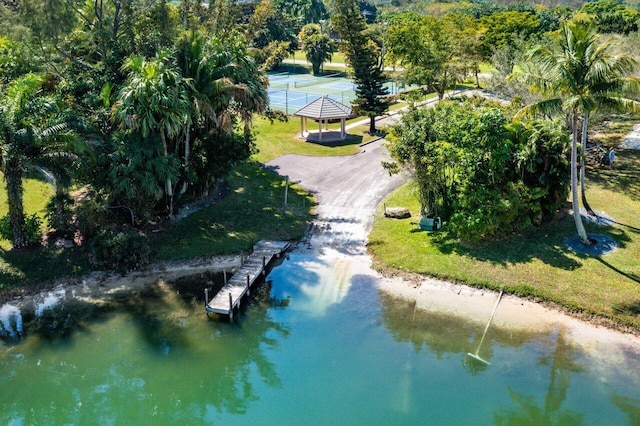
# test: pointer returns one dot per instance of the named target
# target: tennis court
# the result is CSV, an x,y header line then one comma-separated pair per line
x,y
289,92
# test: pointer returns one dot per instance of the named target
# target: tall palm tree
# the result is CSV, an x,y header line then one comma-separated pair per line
x,y
32,136
576,74
226,86
155,98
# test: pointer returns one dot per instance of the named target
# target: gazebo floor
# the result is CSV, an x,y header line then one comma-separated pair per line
x,y
328,136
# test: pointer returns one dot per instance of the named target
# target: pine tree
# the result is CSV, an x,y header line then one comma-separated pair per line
x,y
364,57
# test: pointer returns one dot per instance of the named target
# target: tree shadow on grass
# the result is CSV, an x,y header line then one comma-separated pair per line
x,y
623,177
545,243
37,267
630,275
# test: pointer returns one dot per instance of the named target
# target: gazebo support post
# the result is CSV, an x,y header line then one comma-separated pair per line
x,y
321,110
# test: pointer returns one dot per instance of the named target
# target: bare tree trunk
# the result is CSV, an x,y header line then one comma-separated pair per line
x,y
372,124
187,152
575,204
168,184
13,178
583,164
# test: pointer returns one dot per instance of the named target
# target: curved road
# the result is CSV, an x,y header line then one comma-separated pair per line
x,y
348,189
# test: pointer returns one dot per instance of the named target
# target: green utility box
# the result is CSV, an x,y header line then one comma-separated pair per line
x,y
430,223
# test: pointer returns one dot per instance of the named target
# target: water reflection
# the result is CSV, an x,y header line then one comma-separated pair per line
x,y
145,358
315,282
443,333
318,344
562,362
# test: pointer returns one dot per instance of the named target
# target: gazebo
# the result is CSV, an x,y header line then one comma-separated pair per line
x,y
323,109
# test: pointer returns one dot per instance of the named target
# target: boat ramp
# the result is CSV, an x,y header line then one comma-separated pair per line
x,y
229,297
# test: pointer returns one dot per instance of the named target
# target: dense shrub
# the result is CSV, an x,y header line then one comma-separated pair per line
x,y
481,172
120,249
32,229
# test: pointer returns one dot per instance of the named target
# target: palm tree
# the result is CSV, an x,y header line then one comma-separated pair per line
x,y
33,136
225,85
577,74
155,98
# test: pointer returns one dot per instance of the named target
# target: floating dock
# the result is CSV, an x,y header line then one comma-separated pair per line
x,y
229,297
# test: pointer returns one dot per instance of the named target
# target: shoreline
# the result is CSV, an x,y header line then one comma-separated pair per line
x,y
431,294
100,286
512,313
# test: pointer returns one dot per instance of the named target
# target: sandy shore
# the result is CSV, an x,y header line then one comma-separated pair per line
x,y
512,314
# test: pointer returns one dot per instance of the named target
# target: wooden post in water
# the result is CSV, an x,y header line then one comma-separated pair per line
x,y
224,272
206,297
230,307
264,265
248,286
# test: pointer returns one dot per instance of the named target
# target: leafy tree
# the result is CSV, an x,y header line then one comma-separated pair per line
x,y
269,24
306,11
576,74
481,173
155,98
467,37
132,170
227,88
501,28
364,58
432,58
543,164
156,29
611,16
316,45
15,60
32,134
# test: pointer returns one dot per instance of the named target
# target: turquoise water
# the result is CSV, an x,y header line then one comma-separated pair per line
x,y
314,347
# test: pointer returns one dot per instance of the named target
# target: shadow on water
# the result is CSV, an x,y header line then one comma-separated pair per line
x,y
629,406
443,333
562,364
168,320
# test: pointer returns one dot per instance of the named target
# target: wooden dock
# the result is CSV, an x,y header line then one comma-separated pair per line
x,y
229,297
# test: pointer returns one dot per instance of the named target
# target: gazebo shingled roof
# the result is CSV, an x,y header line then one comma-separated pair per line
x,y
322,109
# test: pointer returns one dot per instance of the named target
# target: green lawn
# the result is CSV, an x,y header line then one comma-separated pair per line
x,y
34,266
254,210
535,263
36,196
279,138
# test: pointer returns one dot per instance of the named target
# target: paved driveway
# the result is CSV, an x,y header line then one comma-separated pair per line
x,y
348,189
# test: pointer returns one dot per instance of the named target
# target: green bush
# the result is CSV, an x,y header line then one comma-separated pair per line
x,y
32,229
120,249
59,214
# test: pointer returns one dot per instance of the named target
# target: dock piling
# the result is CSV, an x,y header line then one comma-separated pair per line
x,y
206,297
248,285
